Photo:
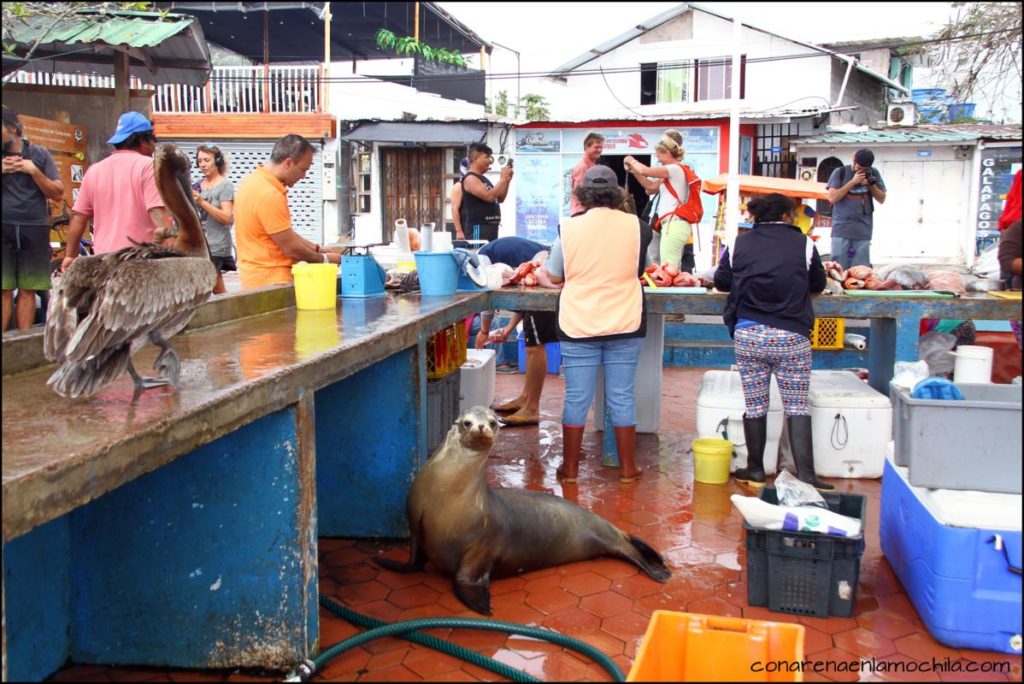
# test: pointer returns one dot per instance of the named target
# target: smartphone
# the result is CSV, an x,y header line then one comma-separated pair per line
x,y
510,163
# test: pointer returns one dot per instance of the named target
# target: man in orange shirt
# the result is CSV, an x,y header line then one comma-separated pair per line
x,y
266,243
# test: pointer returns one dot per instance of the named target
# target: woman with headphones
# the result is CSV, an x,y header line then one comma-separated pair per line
x,y
214,196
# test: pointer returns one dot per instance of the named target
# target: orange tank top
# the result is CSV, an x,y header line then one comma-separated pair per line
x,y
602,294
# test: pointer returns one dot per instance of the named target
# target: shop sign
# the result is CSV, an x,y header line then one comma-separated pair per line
x,y
998,166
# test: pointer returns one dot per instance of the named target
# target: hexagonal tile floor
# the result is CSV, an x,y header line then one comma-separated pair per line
x,y
606,602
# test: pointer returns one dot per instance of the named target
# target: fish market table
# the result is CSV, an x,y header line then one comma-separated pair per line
x,y
180,530
895,321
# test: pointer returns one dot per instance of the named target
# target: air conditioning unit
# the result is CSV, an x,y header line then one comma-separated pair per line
x,y
808,174
901,114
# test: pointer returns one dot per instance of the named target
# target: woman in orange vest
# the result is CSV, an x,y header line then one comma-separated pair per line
x,y
599,255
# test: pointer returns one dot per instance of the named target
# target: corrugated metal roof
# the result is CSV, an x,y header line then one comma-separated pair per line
x,y
916,134
172,44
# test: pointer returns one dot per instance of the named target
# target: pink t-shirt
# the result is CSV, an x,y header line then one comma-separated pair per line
x,y
577,177
118,193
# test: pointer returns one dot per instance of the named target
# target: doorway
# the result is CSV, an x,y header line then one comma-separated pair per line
x,y
412,186
627,180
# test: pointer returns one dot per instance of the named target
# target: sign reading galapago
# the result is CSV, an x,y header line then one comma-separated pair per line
x,y
998,166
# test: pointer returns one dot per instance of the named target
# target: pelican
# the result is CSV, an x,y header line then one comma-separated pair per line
x,y
108,306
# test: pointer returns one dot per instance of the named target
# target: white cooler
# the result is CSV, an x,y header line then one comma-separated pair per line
x,y
476,379
721,398
851,423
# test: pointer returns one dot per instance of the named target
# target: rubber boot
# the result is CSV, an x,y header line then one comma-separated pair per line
x,y
625,442
572,446
803,451
755,432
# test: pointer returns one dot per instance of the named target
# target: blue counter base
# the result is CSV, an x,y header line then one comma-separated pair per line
x,y
209,561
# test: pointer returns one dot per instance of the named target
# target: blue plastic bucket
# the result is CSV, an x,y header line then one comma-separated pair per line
x,y
439,274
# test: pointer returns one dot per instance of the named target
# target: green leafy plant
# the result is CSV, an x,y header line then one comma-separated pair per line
x,y
536,107
408,46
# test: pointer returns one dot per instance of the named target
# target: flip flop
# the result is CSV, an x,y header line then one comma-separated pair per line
x,y
514,421
507,407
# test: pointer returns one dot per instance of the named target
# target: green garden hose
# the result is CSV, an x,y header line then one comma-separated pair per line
x,y
407,630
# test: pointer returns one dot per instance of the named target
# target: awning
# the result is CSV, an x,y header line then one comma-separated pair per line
x,y
463,133
765,185
164,48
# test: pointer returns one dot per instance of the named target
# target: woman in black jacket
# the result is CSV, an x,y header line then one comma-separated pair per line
x,y
770,273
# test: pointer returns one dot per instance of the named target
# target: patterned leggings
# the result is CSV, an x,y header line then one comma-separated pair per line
x,y
760,350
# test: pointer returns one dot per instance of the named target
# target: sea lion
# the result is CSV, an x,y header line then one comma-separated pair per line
x,y
473,532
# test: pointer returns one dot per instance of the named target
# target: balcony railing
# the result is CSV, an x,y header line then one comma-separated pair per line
x,y
230,89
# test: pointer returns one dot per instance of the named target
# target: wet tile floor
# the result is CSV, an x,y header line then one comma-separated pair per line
x,y
606,602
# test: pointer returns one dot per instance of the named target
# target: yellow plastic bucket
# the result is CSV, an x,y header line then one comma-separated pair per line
x,y
316,285
711,456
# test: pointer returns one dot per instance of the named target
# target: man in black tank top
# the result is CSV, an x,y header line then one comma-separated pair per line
x,y
481,213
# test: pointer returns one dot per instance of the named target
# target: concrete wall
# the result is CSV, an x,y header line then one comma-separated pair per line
x,y
863,91
94,112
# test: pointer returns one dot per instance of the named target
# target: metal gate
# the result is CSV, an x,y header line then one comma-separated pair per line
x,y
413,181
773,155
305,199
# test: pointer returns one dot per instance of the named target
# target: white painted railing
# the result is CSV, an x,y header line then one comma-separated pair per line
x,y
235,89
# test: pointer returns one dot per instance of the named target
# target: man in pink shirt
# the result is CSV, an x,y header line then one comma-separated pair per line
x,y
119,193
593,146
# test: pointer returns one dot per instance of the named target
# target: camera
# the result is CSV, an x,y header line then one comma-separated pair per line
x,y
510,160
870,177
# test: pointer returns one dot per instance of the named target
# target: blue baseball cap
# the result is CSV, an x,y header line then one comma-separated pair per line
x,y
129,123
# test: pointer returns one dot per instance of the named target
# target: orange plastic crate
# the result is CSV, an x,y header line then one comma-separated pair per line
x,y
689,647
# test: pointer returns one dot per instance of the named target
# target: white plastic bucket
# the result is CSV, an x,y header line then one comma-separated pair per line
x,y
973,364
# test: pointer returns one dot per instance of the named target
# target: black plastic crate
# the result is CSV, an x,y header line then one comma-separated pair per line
x,y
442,409
806,573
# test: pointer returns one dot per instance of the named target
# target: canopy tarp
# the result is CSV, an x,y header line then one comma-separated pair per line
x,y
164,48
765,185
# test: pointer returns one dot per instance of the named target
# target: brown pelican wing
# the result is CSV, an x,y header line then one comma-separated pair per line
x,y
139,297
70,299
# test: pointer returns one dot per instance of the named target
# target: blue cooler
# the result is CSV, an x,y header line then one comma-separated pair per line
x,y
953,551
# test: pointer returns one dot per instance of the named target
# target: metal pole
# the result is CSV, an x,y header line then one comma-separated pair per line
x,y
325,81
732,207
518,72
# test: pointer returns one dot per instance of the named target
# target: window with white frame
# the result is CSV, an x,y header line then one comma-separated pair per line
x,y
714,78
361,182
697,81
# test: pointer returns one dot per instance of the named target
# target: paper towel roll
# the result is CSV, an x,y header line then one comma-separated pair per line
x,y
858,342
402,235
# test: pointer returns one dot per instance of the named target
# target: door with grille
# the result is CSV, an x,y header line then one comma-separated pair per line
x,y
305,198
412,186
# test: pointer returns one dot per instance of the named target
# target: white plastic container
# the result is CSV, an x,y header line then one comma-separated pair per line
x,y
851,423
476,379
973,364
721,398
402,235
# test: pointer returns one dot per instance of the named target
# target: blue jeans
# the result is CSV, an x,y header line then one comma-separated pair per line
x,y
849,252
581,361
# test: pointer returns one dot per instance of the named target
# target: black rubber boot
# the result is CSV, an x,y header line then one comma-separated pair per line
x,y
755,432
803,451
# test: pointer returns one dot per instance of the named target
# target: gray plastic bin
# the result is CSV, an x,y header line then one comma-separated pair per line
x,y
971,444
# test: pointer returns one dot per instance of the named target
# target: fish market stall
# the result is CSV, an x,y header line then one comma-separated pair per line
x,y
181,530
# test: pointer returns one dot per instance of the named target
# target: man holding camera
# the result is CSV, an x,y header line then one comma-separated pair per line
x,y
481,198
852,192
